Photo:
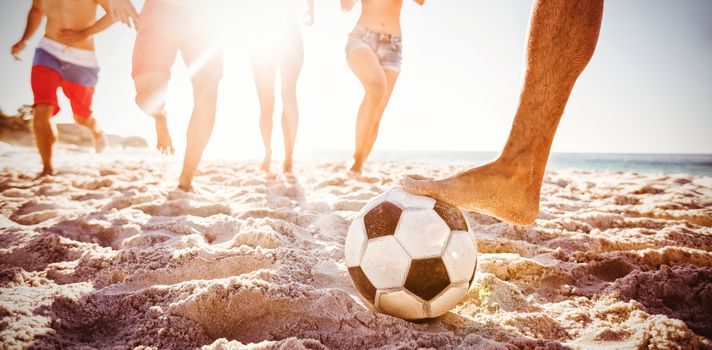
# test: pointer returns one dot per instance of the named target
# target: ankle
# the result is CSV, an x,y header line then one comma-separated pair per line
x,y
512,166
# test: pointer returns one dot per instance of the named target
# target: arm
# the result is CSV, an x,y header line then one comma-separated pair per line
x,y
71,35
34,18
310,12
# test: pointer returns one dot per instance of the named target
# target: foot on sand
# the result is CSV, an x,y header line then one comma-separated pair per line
x,y
288,177
45,172
494,189
186,185
356,167
100,142
287,166
179,193
164,144
266,161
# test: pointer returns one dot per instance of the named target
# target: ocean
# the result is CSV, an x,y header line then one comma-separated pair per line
x,y
694,164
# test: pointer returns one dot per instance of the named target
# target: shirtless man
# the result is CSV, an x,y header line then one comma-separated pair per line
x,y
561,40
64,58
373,52
166,27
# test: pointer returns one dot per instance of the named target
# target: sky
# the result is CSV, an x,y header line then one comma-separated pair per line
x,y
648,88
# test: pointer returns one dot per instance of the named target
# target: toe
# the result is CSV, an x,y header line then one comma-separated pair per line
x,y
418,185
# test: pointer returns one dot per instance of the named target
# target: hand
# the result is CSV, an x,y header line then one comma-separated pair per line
x,y
17,48
124,11
72,36
347,5
419,2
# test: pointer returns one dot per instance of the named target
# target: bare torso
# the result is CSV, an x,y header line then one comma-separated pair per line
x,y
69,14
381,16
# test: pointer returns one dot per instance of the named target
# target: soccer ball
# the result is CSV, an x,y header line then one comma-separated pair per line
x,y
410,256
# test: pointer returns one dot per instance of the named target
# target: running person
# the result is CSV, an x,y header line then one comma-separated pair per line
x,y
277,44
166,27
64,58
373,52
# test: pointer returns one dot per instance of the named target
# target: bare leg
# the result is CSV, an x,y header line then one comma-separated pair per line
x,y
205,94
561,40
150,97
289,70
100,141
45,136
391,77
368,70
264,74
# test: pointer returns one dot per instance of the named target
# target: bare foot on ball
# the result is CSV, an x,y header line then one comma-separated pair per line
x,y
164,144
505,192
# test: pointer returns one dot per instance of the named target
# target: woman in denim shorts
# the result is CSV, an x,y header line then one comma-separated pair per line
x,y
373,52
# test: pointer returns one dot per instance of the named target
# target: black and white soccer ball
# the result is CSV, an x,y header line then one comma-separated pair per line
x,y
411,256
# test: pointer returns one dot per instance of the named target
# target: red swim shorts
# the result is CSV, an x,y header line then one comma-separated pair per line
x,y
167,28
45,82
75,71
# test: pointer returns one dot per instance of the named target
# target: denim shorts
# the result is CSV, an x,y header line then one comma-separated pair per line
x,y
387,47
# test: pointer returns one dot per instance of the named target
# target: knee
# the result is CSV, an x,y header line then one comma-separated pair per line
x,y
266,116
43,112
205,94
150,92
146,103
266,110
81,120
375,89
582,58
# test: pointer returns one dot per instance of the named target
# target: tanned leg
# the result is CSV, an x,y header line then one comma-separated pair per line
x,y
264,72
205,94
150,97
100,141
289,70
391,77
45,136
368,70
561,40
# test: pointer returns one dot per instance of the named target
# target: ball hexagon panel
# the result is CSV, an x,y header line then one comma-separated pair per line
x,y
422,233
452,216
355,241
408,200
460,257
362,284
374,202
447,299
382,220
427,278
402,304
385,262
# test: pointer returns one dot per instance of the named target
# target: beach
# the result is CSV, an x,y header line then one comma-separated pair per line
x,y
108,254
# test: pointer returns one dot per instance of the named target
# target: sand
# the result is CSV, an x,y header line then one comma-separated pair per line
x,y
109,255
